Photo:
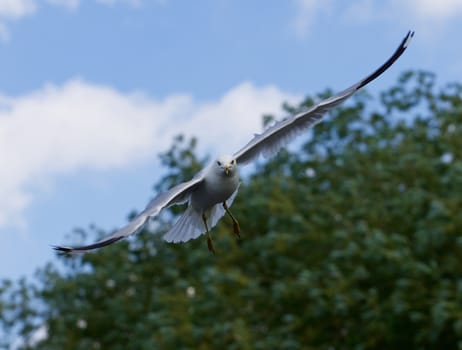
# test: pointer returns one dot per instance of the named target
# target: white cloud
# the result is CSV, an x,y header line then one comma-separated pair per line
x,y
74,4
409,10
133,3
365,11
14,10
70,4
230,122
435,10
11,10
62,129
419,14
307,10
428,17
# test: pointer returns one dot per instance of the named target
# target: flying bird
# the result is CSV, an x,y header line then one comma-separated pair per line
x,y
210,192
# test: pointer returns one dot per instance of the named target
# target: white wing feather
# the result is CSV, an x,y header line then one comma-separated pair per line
x,y
176,195
278,135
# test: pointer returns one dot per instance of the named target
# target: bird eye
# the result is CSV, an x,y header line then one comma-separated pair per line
x,y
233,161
218,163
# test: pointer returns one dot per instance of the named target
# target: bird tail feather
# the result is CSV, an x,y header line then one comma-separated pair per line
x,y
190,225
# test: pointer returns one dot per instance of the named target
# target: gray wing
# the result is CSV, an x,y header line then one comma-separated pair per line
x,y
278,135
176,195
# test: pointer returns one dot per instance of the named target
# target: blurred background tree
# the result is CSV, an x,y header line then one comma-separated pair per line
x,y
352,241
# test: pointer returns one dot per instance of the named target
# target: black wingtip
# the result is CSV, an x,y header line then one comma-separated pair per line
x,y
407,39
62,249
398,52
87,247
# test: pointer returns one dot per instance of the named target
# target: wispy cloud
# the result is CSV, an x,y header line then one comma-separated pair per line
x,y
17,8
425,14
69,4
132,3
440,10
14,10
422,10
307,11
62,129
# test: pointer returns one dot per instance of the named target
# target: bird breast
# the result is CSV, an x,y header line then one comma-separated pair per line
x,y
213,190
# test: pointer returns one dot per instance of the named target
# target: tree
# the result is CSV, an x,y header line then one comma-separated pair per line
x,y
352,242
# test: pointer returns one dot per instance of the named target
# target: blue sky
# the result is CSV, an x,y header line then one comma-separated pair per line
x,y
92,91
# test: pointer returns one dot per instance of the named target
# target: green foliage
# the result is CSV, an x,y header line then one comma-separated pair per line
x,y
353,242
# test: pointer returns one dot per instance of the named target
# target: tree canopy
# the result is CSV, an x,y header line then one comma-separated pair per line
x,y
353,241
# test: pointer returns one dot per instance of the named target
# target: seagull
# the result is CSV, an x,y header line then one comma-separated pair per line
x,y
211,191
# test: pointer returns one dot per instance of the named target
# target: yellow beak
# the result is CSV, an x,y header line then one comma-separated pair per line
x,y
226,170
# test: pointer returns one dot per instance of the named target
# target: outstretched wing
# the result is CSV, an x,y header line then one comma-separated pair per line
x,y
176,195
275,137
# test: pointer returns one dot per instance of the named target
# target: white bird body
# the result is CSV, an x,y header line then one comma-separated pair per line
x,y
210,193
217,185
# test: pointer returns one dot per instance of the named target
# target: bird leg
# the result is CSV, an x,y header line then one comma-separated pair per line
x,y
209,238
236,227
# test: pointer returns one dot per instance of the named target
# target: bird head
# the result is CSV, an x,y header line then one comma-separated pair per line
x,y
226,165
